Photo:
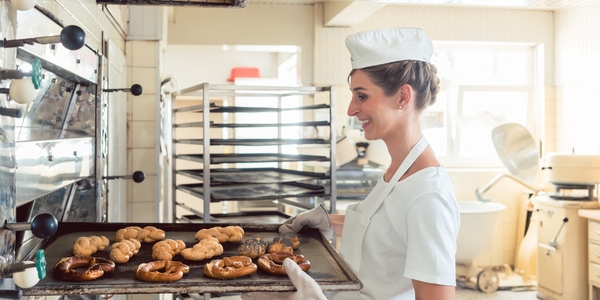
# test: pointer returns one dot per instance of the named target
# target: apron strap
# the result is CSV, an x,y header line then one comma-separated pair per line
x,y
414,153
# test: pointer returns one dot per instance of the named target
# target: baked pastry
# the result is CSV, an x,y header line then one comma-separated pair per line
x,y
122,251
205,249
253,247
148,234
86,246
293,237
230,267
272,262
161,271
223,234
68,268
167,249
281,244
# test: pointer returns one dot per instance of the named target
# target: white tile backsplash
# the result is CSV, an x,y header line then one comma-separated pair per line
x,y
143,134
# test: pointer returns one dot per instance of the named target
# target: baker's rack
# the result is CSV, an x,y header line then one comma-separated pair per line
x,y
290,183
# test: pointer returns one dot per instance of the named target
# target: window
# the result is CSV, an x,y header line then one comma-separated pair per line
x,y
482,87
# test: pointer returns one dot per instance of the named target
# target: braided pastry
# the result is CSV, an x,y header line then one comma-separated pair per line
x,y
86,246
167,249
122,251
148,234
223,234
205,249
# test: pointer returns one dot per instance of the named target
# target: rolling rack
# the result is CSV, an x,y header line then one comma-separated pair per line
x,y
231,170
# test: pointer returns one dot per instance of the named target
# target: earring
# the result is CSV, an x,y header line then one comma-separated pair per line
x,y
400,107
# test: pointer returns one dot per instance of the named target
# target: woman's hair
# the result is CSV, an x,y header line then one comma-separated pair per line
x,y
421,76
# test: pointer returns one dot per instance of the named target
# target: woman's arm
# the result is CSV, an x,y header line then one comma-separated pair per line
x,y
337,223
430,291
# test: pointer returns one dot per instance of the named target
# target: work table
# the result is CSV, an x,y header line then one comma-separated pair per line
x,y
592,214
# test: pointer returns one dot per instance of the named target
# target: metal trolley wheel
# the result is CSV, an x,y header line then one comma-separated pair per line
x,y
487,281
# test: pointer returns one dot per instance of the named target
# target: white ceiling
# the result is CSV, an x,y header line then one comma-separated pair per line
x,y
350,12
540,4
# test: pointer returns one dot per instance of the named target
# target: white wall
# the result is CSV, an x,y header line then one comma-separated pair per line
x,y
213,65
577,99
256,24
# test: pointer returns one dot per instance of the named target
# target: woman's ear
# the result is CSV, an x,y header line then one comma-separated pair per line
x,y
404,96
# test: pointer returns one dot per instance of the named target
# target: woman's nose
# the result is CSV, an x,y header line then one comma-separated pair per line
x,y
352,108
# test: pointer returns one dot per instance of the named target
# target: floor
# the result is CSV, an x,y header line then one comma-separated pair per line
x,y
463,294
467,294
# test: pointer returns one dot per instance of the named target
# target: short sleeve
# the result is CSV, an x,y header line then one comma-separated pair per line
x,y
432,224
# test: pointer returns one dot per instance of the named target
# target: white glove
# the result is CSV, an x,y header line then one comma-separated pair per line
x,y
306,287
314,218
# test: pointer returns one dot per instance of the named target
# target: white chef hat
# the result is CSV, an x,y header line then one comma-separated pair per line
x,y
381,46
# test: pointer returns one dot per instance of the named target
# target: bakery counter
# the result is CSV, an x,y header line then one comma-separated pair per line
x,y
327,268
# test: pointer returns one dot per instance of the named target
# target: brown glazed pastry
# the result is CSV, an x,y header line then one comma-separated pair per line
x,y
272,262
161,271
95,267
230,267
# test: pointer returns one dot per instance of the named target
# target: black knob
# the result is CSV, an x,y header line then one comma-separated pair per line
x,y
136,89
72,37
565,219
138,176
44,225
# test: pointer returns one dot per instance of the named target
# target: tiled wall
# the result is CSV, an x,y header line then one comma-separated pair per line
x,y
142,65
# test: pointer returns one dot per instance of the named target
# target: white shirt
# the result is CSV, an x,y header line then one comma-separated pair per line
x,y
411,236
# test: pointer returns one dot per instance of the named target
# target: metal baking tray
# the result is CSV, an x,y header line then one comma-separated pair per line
x,y
255,175
254,191
238,125
251,158
245,109
327,267
253,142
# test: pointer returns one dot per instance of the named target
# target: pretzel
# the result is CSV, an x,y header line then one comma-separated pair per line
x,y
86,246
65,268
223,234
148,234
171,271
167,249
230,267
121,252
272,262
205,249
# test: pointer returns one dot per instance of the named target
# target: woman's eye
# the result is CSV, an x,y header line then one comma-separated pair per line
x,y
361,97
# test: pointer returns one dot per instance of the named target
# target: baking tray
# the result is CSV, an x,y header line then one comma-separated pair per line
x,y
254,191
240,125
327,267
245,109
252,142
251,158
254,175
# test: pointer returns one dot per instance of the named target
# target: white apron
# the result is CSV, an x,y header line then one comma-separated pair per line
x,y
355,223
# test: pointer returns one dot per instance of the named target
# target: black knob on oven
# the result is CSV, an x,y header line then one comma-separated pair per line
x,y
137,176
135,90
71,37
43,225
